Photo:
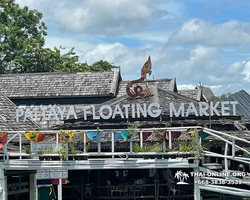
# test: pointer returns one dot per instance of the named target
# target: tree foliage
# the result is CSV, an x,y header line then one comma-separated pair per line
x,y
22,45
219,98
21,33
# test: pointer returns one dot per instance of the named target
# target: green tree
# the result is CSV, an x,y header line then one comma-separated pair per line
x,y
22,45
102,66
21,33
47,60
219,98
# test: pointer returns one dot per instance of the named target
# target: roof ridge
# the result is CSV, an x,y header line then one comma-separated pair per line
x,y
188,89
52,73
151,80
178,95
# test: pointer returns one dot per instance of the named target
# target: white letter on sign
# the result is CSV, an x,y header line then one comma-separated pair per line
x,y
156,112
19,113
177,113
71,112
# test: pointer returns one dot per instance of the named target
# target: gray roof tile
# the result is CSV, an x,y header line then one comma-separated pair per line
x,y
166,84
207,92
158,95
35,85
8,117
191,93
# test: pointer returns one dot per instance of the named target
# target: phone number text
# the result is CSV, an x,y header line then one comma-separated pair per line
x,y
218,182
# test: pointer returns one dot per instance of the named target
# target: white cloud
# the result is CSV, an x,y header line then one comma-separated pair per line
x,y
68,43
109,17
130,59
86,25
246,71
198,65
186,86
197,31
234,69
201,64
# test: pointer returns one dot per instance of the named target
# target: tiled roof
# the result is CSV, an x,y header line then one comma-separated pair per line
x,y
166,84
8,117
192,93
158,95
243,106
207,92
75,84
200,93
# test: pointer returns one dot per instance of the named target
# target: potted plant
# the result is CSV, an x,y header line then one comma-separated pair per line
x,y
187,143
157,147
62,153
137,148
130,132
47,151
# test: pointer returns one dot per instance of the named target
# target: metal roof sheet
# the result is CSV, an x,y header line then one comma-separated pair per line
x,y
243,106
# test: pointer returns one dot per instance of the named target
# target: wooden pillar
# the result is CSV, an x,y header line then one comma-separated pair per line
x,y
156,189
99,181
169,140
20,145
141,139
3,185
156,181
131,146
32,187
225,159
59,190
112,143
84,142
57,141
233,148
197,192
67,151
99,147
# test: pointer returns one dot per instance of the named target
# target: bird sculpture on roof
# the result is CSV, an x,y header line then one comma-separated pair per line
x,y
137,91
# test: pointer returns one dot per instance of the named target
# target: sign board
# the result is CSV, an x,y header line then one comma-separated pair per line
x,y
123,111
42,175
51,174
58,174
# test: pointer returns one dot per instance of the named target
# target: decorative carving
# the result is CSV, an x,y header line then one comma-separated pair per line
x,y
138,91
66,136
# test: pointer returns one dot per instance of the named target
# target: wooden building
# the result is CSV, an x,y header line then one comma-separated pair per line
x,y
100,101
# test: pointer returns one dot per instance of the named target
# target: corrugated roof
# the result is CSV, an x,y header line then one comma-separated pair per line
x,y
243,106
75,84
8,117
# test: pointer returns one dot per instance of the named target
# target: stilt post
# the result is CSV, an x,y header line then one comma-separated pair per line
x,y
3,185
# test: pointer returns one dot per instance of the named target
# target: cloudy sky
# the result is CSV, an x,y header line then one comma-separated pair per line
x,y
196,41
